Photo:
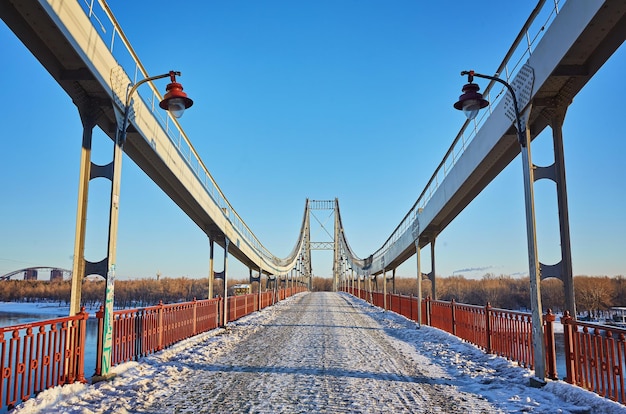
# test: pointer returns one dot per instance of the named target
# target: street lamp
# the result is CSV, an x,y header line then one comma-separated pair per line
x,y
175,101
470,102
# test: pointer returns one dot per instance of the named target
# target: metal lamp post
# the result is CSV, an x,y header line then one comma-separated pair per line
x,y
471,102
175,101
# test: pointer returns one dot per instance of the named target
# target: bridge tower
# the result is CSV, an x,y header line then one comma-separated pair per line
x,y
304,265
325,205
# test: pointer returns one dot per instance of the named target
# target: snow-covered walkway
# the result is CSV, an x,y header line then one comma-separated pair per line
x,y
322,353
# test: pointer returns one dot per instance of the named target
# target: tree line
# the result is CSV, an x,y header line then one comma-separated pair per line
x,y
128,293
593,294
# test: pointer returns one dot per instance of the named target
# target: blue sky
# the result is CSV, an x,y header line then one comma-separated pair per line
x,y
324,99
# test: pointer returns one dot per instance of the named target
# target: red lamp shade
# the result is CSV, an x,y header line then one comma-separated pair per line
x,y
175,100
471,101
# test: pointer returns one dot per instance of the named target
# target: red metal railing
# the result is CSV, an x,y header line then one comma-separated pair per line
x,y
267,299
41,355
595,357
140,332
510,335
497,331
242,305
405,306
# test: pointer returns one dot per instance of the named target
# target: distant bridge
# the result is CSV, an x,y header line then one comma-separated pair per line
x,y
33,273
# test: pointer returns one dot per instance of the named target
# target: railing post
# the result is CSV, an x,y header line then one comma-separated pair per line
x,y
218,311
428,312
488,327
452,309
100,317
80,375
568,342
139,317
195,313
160,326
232,307
549,319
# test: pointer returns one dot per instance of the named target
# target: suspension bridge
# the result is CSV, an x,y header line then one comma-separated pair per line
x,y
558,50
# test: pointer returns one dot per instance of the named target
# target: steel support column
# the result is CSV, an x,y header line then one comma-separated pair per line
x,y
432,274
211,268
419,283
260,274
384,289
533,261
88,118
226,242
107,336
567,276
336,251
351,280
105,267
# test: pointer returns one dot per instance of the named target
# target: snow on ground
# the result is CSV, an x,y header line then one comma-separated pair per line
x,y
320,352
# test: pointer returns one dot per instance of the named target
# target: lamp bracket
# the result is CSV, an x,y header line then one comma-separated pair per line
x,y
120,85
522,84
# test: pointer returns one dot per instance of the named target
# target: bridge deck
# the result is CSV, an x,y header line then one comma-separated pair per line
x,y
319,352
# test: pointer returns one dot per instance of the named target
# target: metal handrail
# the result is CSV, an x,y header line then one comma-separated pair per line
x,y
464,137
170,124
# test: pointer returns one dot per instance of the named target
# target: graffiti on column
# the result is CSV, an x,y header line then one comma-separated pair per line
x,y
107,338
